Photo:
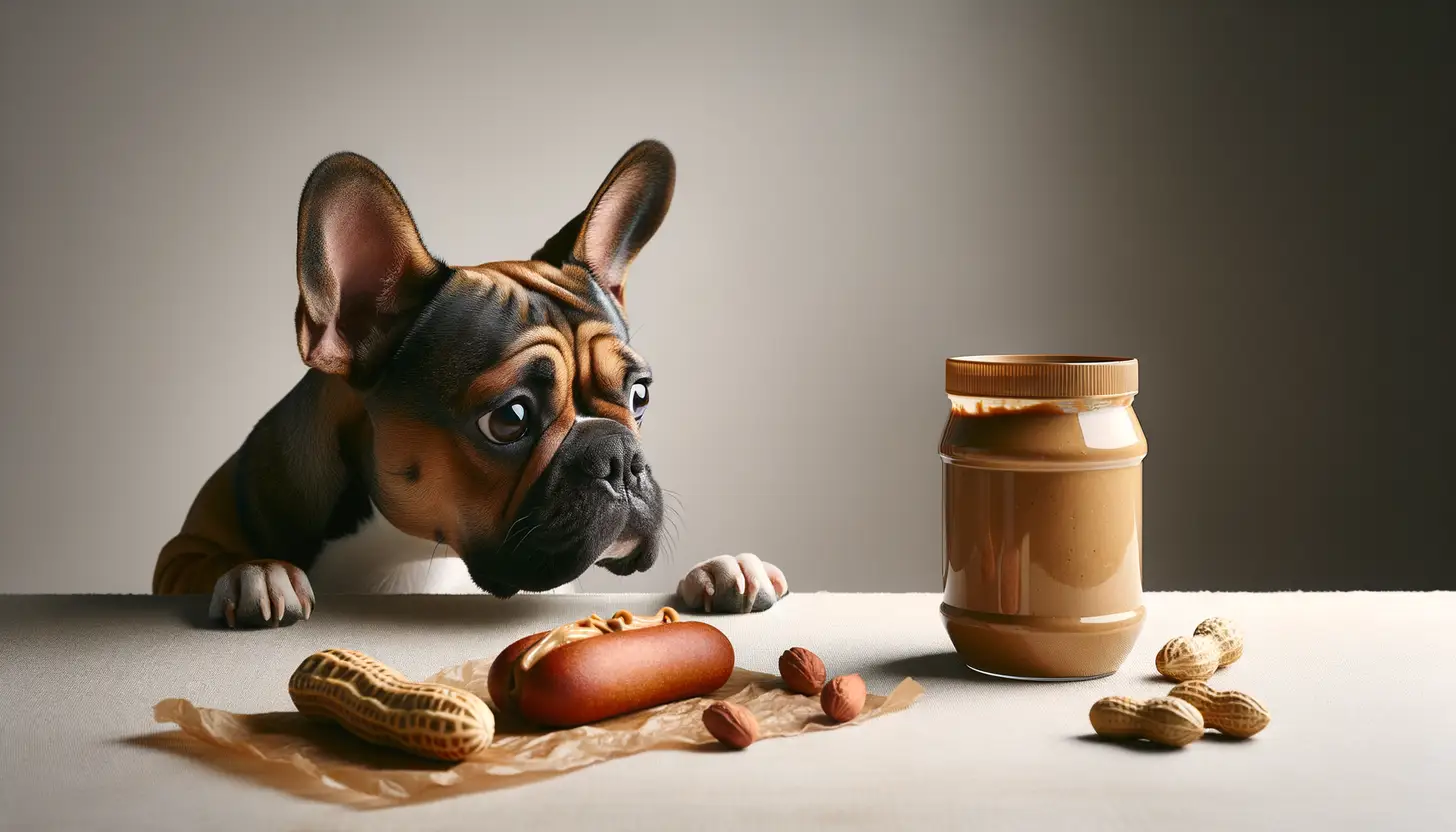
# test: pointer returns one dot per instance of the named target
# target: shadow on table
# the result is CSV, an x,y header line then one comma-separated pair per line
x,y
1140,746
253,769
1147,746
945,665
433,610
193,611
321,761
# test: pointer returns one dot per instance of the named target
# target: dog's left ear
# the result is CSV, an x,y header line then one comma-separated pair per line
x,y
626,211
363,271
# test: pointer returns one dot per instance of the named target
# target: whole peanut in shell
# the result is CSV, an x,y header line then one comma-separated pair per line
x,y
1163,720
1215,643
1228,712
377,704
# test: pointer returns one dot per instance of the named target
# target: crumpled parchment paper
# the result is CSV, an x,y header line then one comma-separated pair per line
x,y
321,760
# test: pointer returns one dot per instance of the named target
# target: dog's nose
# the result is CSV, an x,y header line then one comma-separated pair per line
x,y
617,463
610,457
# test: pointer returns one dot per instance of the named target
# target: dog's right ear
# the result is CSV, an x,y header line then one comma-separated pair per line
x,y
363,271
626,211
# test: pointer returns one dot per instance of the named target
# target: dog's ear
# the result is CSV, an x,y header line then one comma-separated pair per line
x,y
557,250
626,211
363,271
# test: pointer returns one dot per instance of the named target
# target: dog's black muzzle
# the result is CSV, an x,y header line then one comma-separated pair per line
x,y
596,502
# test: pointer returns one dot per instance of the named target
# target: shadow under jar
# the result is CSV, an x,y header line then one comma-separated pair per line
x,y
1042,510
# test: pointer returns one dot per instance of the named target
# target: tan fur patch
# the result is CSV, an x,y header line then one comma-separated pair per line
x,y
467,495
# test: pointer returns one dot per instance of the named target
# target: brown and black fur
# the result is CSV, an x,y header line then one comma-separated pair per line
x,y
406,355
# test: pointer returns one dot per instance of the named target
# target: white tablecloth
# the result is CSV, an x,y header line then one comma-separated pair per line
x,y
1361,687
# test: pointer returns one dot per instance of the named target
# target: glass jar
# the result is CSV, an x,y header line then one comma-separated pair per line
x,y
1042,514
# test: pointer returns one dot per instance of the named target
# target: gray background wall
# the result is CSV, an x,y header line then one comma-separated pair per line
x,y
1253,199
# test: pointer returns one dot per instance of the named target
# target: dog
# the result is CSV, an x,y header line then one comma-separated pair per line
x,y
458,428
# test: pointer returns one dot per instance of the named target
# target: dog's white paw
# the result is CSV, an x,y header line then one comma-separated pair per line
x,y
735,584
262,593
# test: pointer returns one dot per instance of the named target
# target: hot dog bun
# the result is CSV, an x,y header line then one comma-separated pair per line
x,y
613,672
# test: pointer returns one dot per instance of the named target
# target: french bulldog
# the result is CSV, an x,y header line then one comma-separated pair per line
x,y
458,428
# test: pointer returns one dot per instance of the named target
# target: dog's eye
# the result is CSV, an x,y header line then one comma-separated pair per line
x,y
507,423
639,400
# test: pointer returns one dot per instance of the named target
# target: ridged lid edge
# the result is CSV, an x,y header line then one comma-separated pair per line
x,y
1033,376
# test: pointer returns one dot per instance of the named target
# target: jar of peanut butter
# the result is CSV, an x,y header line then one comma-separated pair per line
x,y
1042,500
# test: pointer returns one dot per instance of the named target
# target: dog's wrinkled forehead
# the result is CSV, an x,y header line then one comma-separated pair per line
x,y
496,327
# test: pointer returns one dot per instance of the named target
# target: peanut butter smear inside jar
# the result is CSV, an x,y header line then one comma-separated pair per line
x,y
1042,511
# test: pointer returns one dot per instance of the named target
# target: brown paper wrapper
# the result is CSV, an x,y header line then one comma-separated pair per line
x,y
321,760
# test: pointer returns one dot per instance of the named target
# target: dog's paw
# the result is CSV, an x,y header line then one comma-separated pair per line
x,y
262,593
734,584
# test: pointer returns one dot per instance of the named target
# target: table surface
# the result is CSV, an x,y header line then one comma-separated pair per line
x,y
1360,685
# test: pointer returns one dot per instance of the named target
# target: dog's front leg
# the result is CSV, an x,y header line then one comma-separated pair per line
x,y
262,592
210,554
248,592
733,584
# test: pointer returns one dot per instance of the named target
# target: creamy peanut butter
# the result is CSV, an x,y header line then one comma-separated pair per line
x,y
590,627
1042,489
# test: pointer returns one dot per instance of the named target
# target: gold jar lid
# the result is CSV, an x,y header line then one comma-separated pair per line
x,y
1040,376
